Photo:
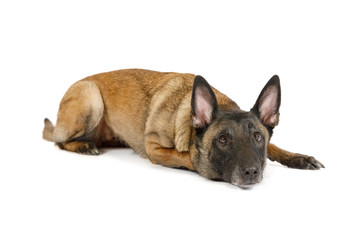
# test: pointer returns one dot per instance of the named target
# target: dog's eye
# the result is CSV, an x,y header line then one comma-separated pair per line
x,y
250,125
222,139
257,136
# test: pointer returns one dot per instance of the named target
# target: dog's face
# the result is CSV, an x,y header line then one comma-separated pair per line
x,y
232,146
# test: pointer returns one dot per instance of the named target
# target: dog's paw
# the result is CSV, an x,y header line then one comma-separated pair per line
x,y
303,162
88,149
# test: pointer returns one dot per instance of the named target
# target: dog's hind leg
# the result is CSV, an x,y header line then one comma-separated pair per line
x,y
80,113
292,160
88,148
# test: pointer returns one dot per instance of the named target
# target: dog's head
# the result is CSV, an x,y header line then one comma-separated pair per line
x,y
232,145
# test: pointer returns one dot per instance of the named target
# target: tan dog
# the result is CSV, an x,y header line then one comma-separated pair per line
x,y
176,120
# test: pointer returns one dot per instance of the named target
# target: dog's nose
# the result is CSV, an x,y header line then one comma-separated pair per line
x,y
250,174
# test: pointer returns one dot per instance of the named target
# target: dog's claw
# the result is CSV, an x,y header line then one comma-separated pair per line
x,y
315,164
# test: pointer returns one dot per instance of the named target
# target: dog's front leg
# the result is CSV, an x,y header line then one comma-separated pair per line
x,y
292,160
168,157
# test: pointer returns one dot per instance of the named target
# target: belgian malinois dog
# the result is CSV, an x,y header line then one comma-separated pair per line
x,y
176,120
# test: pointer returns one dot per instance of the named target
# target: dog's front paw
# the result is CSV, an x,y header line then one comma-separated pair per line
x,y
303,162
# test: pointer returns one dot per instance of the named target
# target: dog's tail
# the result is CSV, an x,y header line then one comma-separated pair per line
x,y
48,130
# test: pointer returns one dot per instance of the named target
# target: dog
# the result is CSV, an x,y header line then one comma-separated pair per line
x,y
174,119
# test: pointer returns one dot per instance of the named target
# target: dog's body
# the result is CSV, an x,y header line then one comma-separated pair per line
x,y
174,121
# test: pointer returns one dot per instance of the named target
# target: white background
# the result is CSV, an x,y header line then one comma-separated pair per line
x,y
314,46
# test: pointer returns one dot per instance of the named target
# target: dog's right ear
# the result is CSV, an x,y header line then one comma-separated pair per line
x,y
203,103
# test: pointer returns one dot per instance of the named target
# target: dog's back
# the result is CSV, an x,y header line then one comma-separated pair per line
x,y
125,106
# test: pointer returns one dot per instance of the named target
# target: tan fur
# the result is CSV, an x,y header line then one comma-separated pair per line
x,y
81,103
148,110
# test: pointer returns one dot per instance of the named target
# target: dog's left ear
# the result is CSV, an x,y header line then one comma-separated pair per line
x,y
268,103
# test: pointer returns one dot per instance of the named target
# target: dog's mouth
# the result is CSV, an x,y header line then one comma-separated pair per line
x,y
246,184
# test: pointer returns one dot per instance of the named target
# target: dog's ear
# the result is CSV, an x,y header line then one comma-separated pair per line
x,y
203,103
268,103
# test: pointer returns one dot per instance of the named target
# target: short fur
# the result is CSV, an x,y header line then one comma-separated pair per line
x,y
176,120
